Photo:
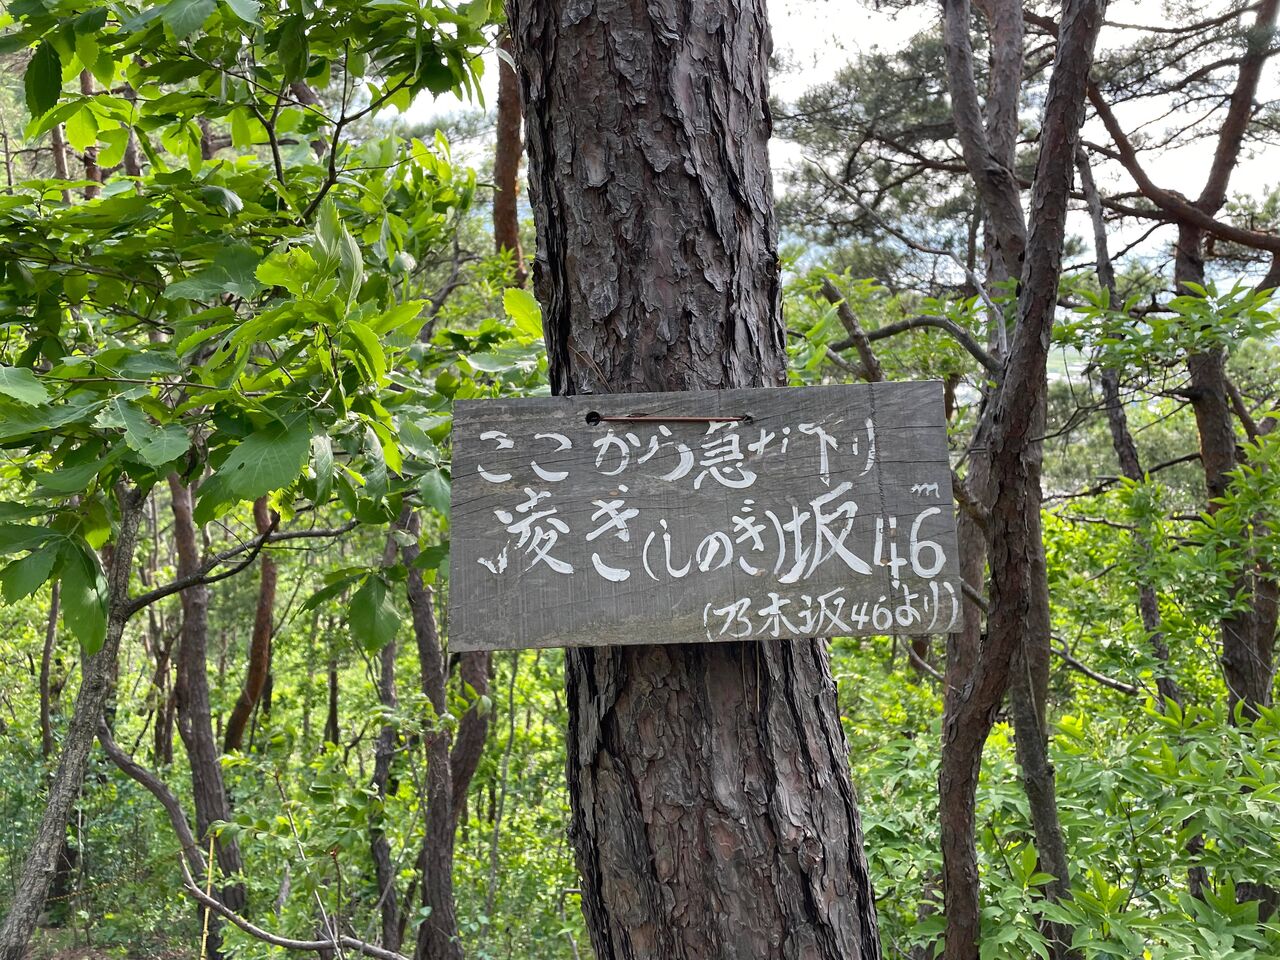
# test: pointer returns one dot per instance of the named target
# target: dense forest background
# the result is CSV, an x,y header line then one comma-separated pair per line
x,y
242,286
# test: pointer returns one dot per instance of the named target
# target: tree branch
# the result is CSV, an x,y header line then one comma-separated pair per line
x,y
957,333
252,548
872,372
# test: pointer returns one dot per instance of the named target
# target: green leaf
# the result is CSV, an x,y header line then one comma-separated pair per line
x,y
43,79
322,464
433,556
16,537
263,462
226,200
82,129
524,310
155,444
435,490
293,49
23,577
185,17
84,597
368,349
372,615
232,271
246,10
21,384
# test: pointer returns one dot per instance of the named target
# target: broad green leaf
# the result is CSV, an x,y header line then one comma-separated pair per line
x,y
524,310
232,271
16,537
322,464
185,17
84,597
372,615
155,444
21,384
43,79
263,462
226,200
246,10
82,129
24,576
434,489
293,50
368,349
433,556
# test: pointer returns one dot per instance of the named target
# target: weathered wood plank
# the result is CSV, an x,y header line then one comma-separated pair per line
x,y
825,511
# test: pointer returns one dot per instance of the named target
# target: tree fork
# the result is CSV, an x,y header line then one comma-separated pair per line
x,y
713,813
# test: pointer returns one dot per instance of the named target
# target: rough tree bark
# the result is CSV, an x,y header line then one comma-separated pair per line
x,y
713,814
988,141
1019,619
195,721
95,687
1005,482
259,666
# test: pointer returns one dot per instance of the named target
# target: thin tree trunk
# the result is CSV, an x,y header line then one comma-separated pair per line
x,y
46,662
474,670
506,166
195,721
259,666
384,751
438,932
1019,619
713,813
92,172
1249,631
380,850
1008,480
331,714
95,687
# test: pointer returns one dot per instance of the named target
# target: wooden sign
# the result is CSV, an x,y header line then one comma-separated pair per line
x,y
701,517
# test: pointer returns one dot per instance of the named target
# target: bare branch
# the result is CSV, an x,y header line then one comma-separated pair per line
x,y
957,333
252,548
871,370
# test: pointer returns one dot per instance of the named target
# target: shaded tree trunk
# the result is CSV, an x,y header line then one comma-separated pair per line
x,y
713,813
95,689
331,714
46,664
380,850
259,666
195,720
438,933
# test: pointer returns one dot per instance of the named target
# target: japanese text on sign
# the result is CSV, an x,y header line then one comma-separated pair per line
x,y
782,513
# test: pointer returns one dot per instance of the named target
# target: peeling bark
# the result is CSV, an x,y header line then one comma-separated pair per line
x,y
713,813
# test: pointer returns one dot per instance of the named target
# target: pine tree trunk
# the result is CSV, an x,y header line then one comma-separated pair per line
x,y
713,814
